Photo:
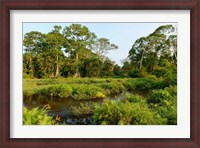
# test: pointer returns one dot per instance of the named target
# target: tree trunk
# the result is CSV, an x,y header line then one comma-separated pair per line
x,y
77,74
57,67
31,67
77,57
141,60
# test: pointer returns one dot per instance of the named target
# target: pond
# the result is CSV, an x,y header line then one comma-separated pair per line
x,y
62,107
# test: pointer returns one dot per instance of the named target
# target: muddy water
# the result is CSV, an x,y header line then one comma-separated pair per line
x,y
61,107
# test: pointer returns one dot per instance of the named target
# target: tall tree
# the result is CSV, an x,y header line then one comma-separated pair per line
x,y
32,44
148,50
138,51
102,46
54,41
78,38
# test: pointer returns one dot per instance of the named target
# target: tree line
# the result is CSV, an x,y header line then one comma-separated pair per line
x,y
75,51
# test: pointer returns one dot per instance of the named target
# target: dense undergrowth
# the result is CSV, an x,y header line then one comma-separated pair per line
x,y
159,108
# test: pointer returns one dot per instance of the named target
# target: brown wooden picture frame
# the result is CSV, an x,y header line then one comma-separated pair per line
x,y
8,5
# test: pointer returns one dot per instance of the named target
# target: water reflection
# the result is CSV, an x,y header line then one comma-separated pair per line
x,y
62,107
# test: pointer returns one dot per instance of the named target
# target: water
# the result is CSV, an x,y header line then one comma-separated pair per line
x,y
62,107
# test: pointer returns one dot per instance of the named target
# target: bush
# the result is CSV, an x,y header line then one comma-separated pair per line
x,y
85,92
140,84
29,87
36,116
171,78
138,73
125,113
77,92
28,92
159,96
160,71
58,90
147,83
164,102
84,109
113,88
135,99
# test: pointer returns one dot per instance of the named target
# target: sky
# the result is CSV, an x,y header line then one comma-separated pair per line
x,y
121,34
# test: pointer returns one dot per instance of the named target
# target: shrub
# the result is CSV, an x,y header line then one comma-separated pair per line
x,y
44,90
157,96
84,109
160,96
113,88
36,116
28,92
138,73
171,78
58,90
85,92
160,71
147,83
29,87
134,99
125,113
164,102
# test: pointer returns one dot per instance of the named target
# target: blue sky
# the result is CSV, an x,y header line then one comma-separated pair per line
x,y
121,34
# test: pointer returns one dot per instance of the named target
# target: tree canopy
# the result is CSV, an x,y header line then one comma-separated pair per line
x,y
75,51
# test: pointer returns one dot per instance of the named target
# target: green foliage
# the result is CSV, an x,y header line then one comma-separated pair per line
x,y
158,108
85,92
146,83
135,99
113,88
108,67
102,46
78,89
43,58
29,87
138,73
171,77
164,102
73,52
77,40
100,95
75,91
125,113
156,53
160,71
37,116
60,90
158,96
84,109
91,67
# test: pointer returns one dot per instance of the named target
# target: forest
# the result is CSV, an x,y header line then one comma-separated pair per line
x,y
69,80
